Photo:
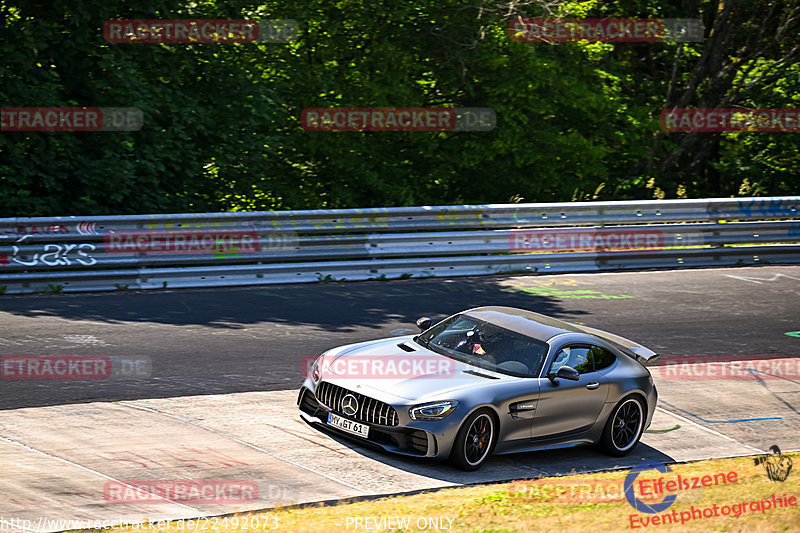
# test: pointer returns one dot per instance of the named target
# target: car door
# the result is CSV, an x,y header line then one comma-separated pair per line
x,y
567,406
521,410
521,357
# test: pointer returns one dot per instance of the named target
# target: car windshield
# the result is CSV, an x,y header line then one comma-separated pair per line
x,y
486,345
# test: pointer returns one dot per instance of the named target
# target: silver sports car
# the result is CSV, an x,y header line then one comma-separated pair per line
x,y
486,380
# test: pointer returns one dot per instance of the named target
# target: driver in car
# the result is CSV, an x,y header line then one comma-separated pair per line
x,y
474,344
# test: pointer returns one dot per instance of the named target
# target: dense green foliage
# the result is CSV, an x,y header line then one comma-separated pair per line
x,y
221,131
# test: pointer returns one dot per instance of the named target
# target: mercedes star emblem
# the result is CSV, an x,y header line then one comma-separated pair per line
x,y
349,405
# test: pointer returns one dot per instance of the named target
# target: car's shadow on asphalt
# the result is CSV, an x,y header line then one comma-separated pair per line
x,y
498,468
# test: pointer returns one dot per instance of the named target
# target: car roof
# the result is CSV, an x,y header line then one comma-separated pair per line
x,y
528,323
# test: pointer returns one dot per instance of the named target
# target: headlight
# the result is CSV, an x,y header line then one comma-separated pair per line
x,y
432,411
315,371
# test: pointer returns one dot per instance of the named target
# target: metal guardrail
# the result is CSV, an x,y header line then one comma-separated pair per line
x,y
55,254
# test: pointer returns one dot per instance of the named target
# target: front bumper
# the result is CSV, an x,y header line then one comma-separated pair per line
x,y
393,438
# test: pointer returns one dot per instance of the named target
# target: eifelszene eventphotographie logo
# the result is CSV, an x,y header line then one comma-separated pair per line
x,y
777,465
634,500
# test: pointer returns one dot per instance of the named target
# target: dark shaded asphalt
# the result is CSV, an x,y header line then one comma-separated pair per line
x,y
248,339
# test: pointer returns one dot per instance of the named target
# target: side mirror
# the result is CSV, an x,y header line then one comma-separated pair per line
x,y
423,323
565,372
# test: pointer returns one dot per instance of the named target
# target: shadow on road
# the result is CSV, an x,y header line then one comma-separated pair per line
x,y
528,465
333,306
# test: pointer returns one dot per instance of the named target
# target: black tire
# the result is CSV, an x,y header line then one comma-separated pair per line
x,y
623,428
475,440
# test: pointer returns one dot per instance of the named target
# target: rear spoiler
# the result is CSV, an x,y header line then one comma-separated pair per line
x,y
642,354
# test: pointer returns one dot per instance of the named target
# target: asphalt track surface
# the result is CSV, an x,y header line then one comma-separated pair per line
x,y
218,371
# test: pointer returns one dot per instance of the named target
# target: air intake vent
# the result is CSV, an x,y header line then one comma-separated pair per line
x,y
405,346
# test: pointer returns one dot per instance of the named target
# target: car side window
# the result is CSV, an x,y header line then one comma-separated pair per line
x,y
584,359
602,358
575,356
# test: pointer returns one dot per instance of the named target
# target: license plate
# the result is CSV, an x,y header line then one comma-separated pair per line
x,y
362,430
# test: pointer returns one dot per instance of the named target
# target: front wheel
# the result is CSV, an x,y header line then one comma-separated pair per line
x,y
624,428
474,441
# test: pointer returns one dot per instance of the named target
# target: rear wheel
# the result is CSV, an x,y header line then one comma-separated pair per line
x,y
474,441
624,428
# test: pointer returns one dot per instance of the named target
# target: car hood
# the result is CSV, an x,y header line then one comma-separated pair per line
x,y
420,374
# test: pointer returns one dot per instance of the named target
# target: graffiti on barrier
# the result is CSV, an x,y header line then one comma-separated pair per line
x,y
768,207
82,228
21,229
53,255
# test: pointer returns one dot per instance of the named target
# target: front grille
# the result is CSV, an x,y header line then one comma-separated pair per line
x,y
370,410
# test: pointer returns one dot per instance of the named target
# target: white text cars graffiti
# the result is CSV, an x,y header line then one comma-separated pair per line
x,y
52,255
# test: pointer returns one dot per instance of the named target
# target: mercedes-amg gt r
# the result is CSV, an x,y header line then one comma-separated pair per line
x,y
486,380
